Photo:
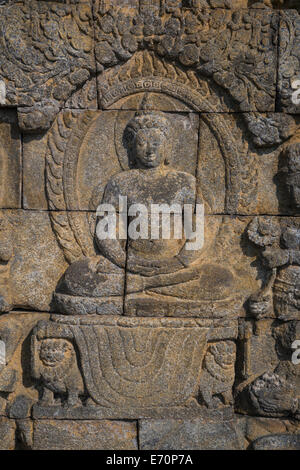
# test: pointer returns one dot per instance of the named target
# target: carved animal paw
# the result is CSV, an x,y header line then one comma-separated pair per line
x,y
73,401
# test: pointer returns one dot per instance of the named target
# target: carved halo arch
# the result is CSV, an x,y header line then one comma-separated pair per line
x,y
64,144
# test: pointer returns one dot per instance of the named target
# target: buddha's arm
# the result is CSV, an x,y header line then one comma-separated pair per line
x,y
146,267
111,248
156,267
194,232
113,251
187,257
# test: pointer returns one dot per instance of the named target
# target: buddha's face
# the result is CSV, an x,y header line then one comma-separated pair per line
x,y
149,148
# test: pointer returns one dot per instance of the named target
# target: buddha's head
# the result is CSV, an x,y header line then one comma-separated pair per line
x,y
146,137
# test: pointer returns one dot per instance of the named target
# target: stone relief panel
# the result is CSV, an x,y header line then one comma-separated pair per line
x,y
64,68
159,102
131,359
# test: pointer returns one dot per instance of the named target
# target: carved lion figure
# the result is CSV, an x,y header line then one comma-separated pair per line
x,y
58,371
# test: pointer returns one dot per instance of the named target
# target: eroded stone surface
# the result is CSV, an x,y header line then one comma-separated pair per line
x,y
84,435
199,345
34,152
7,434
17,389
231,433
269,387
33,276
82,140
10,160
188,39
190,434
277,240
259,432
49,60
213,285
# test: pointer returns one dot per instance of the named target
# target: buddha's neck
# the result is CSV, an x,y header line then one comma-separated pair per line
x,y
152,172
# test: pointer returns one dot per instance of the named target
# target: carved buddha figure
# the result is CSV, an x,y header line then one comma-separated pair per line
x,y
97,285
151,182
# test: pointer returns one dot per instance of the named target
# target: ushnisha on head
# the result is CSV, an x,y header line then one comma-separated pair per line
x,y
146,136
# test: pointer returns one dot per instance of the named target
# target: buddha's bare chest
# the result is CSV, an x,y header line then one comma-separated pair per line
x,y
149,192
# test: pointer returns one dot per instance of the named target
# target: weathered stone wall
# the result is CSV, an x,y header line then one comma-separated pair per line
x,y
137,345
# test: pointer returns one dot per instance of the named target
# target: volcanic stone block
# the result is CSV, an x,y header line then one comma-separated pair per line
x,y
7,434
10,161
230,433
34,193
84,435
195,434
33,276
277,442
269,434
255,153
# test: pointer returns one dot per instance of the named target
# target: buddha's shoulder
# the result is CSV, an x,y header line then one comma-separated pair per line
x,y
182,177
121,179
